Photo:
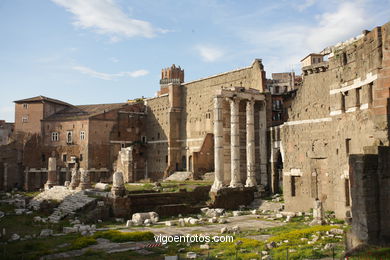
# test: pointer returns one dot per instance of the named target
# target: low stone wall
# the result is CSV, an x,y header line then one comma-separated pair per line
x,y
35,178
232,198
165,204
370,180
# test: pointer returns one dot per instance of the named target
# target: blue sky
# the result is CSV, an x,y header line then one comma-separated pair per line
x,y
107,51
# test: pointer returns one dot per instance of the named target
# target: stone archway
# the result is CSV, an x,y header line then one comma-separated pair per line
x,y
278,172
190,163
183,163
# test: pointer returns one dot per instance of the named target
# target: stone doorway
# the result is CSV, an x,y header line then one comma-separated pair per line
x,y
190,163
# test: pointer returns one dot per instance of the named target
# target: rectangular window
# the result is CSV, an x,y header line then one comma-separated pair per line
x,y
24,119
293,186
314,185
64,157
342,102
81,157
25,105
370,93
358,96
69,137
347,146
54,136
82,135
347,199
143,139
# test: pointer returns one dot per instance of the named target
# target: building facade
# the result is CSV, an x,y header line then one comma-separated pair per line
x,y
88,136
341,110
181,123
6,132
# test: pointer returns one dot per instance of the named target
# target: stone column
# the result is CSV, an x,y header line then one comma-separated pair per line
x,y
126,164
263,144
51,173
235,143
75,179
5,180
26,179
118,186
85,182
218,145
250,145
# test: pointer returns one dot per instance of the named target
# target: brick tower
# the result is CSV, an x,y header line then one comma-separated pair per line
x,y
170,75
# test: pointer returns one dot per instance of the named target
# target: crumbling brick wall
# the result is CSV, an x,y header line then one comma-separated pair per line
x,y
341,107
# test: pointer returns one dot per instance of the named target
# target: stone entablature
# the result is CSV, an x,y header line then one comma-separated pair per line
x,y
315,68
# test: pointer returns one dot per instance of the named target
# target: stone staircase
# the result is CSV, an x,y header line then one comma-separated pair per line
x,y
57,193
70,204
70,201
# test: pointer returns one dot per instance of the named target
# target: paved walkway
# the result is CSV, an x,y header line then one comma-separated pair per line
x,y
247,222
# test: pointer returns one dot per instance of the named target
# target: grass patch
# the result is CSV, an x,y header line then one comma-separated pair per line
x,y
82,242
169,186
245,249
296,244
30,194
118,236
34,249
301,233
98,255
145,186
376,253
24,225
7,208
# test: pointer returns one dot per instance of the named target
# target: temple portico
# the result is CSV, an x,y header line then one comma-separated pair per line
x,y
240,156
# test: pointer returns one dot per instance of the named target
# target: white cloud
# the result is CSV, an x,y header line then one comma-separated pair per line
x,y
348,19
7,113
208,53
113,59
105,17
292,41
137,73
109,76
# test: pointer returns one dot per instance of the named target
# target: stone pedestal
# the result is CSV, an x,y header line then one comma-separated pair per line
x,y
218,145
118,187
318,213
85,182
51,173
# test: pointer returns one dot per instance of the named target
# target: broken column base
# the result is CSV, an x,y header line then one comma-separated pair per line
x,y
84,186
118,192
48,186
223,197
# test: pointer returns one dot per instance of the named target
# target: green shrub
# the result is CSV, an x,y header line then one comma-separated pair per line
x,y
82,242
297,234
229,249
117,236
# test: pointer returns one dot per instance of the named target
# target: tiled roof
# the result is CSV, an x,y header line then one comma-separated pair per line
x,y
42,98
83,111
